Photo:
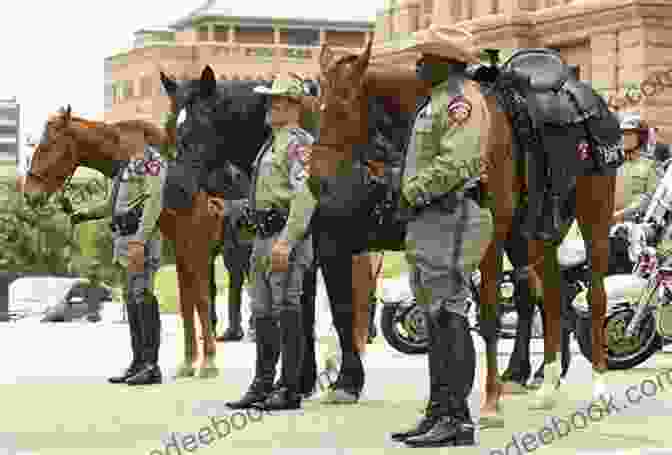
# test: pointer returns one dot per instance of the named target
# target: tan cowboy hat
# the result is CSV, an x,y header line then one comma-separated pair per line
x,y
290,86
443,41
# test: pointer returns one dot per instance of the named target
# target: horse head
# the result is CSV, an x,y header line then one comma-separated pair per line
x,y
343,99
55,157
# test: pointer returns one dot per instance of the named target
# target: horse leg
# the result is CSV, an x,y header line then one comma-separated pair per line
x,y
362,286
200,247
594,215
545,396
490,266
212,289
518,371
185,369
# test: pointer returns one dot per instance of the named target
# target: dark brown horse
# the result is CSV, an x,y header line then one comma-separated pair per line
x,y
69,142
347,84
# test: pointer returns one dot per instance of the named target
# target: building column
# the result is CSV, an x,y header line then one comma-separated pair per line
x,y
443,13
367,37
232,34
211,32
276,35
604,63
323,36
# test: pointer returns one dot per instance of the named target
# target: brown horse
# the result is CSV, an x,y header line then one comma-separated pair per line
x,y
347,83
69,142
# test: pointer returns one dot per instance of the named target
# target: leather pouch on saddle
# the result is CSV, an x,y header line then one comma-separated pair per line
x,y
127,223
573,133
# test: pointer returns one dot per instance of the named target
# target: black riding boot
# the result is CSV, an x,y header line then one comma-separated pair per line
x,y
536,177
452,360
136,347
288,396
338,278
150,373
519,368
268,352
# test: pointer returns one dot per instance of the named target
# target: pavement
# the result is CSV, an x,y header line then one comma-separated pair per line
x,y
55,400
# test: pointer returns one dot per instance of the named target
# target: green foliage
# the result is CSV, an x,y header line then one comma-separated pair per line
x,y
38,236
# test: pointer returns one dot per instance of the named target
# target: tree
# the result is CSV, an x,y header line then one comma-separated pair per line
x,y
38,237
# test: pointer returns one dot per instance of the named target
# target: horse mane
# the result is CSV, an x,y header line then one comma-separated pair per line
x,y
153,135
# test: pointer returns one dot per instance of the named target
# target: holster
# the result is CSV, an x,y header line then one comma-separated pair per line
x,y
265,223
127,223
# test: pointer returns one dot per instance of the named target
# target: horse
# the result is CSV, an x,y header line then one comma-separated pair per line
x,y
348,81
69,142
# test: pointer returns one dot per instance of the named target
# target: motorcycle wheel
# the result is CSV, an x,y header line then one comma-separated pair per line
x,y
404,327
622,353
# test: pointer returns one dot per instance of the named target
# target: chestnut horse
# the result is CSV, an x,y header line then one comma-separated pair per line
x,y
69,142
347,84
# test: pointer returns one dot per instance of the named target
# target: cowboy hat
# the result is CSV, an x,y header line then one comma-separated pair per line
x,y
442,41
291,87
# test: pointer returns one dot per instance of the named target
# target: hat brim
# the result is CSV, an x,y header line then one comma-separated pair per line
x,y
268,91
443,42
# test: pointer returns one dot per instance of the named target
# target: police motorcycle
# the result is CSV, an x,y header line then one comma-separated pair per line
x,y
639,304
404,325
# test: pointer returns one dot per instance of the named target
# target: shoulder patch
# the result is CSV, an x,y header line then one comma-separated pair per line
x,y
459,109
296,151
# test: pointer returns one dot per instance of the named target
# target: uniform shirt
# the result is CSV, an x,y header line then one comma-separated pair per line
x,y
640,178
281,181
140,181
445,148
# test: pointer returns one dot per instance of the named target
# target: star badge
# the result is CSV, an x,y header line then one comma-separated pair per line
x,y
459,110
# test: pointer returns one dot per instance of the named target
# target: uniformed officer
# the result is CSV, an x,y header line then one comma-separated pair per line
x,y
135,205
449,230
281,207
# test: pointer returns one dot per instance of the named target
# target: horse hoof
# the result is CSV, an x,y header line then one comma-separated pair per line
x,y
513,388
186,370
208,372
545,396
599,385
490,421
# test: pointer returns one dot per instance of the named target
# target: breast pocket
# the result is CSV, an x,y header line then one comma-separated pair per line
x,y
423,135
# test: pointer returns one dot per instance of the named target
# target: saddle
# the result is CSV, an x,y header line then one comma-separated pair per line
x,y
562,129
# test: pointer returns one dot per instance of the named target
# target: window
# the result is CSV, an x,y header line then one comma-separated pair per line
x,y
146,86
203,32
129,89
301,37
221,33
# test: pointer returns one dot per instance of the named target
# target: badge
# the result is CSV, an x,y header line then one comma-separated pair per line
x,y
583,150
459,110
295,151
153,167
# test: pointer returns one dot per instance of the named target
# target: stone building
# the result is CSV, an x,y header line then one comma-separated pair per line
x,y
235,46
615,43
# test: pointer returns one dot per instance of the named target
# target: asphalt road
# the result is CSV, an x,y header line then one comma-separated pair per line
x,y
55,400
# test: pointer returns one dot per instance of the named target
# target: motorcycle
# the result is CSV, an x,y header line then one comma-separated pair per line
x,y
404,325
639,304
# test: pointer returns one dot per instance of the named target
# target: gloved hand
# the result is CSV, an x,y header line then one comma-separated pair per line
x,y
77,218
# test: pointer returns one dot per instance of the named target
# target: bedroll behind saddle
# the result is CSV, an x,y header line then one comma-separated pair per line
x,y
563,129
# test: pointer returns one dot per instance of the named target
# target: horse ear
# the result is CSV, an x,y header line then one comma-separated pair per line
x,y
168,83
208,81
362,61
67,114
326,56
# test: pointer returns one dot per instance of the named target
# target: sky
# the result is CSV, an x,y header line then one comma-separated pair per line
x,y
53,51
